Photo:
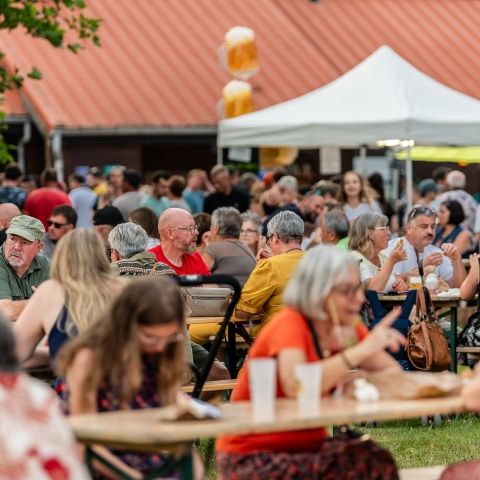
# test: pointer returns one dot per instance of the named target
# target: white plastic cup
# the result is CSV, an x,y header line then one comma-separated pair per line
x,y
262,375
309,380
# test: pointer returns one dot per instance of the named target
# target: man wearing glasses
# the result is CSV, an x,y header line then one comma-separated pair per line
x,y
62,220
422,255
22,269
178,248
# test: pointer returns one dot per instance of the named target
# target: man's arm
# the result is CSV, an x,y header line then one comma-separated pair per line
x,y
12,308
459,273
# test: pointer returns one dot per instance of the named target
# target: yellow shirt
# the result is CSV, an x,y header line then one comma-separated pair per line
x,y
263,291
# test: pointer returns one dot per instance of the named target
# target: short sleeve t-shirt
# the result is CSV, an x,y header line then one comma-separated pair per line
x,y
13,287
192,263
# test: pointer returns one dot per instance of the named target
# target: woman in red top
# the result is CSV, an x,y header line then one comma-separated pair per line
x,y
324,291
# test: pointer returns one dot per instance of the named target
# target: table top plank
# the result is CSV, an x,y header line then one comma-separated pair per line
x,y
149,428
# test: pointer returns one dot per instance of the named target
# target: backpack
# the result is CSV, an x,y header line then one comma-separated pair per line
x,y
470,336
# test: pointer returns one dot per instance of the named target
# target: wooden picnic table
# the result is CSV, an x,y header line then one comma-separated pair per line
x,y
150,430
450,303
236,326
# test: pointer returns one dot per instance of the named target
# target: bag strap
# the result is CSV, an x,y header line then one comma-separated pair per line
x,y
478,292
428,346
316,341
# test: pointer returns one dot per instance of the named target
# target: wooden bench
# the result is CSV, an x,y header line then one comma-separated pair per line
x,y
212,386
468,350
425,473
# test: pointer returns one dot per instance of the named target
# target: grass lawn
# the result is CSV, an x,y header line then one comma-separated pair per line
x,y
415,446
412,444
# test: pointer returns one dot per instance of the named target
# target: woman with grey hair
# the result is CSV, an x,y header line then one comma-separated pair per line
x,y
319,322
251,230
369,235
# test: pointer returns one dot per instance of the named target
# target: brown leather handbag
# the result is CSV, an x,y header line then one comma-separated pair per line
x,y
427,347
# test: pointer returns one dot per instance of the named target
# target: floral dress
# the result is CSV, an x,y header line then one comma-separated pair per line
x,y
35,440
146,397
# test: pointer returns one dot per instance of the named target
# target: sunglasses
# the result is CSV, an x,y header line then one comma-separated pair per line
x,y
56,224
421,210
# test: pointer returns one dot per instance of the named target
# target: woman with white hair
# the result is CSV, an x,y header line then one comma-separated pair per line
x,y
319,322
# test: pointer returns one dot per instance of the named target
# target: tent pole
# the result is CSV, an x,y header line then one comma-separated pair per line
x,y
363,159
219,155
409,177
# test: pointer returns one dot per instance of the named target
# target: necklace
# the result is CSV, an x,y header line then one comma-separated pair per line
x,y
292,249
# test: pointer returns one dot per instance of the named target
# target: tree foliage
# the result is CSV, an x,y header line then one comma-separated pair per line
x,y
63,23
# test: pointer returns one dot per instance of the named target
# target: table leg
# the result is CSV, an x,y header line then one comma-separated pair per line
x,y
232,349
453,338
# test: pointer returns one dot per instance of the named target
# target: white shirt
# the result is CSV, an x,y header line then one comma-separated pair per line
x,y
364,207
444,270
368,269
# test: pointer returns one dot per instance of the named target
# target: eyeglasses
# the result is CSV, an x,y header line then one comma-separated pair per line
x,y
56,224
154,341
269,239
347,289
248,230
191,228
385,229
421,210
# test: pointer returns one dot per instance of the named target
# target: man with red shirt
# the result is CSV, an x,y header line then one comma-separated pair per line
x,y
178,235
41,202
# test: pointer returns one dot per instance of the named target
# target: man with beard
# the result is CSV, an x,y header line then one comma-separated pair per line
x,y
22,269
177,249
422,255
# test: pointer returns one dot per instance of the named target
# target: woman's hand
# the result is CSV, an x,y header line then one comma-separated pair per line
x,y
398,254
400,285
474,267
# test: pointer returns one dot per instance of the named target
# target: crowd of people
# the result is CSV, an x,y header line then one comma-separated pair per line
x,y
303,254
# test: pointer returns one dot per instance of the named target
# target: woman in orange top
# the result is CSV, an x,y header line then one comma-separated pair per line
x,y
322,300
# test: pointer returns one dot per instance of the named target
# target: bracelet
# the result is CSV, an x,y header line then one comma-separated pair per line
x,y
347,361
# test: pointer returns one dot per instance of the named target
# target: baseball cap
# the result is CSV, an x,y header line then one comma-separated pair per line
x,y
426,186
108,215
29,228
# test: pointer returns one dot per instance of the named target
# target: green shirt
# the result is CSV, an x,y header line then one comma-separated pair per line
x,y
343,243
13,287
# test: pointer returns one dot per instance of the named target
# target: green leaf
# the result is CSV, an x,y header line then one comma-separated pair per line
x,y
35,74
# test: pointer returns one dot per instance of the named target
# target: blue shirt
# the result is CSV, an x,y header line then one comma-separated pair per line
x,y
158,205
195,198
83,200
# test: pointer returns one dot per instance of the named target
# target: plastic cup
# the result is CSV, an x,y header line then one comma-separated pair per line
x,y
262,375
415,282
309,380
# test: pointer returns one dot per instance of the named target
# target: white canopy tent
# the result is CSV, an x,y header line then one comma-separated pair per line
x,y
384,97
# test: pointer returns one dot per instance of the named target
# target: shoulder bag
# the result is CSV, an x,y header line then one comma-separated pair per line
x,y
427,347
470,336
206,302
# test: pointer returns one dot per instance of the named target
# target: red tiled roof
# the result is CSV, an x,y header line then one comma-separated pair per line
x,y
158,64
12,104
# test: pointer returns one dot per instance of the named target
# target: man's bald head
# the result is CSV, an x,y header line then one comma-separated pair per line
x,y
177,230
7,212
173,218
